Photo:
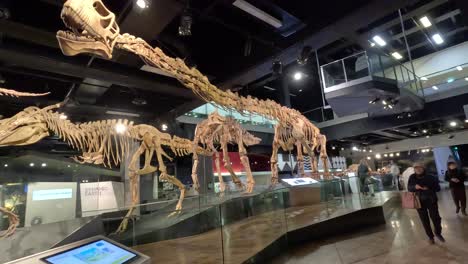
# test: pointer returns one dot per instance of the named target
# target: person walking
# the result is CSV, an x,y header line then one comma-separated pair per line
x,y
426,188
456,180
395,172
363,175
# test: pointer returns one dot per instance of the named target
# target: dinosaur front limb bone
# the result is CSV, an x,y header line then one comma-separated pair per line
x,y
227,163
222,185
300,160
245,162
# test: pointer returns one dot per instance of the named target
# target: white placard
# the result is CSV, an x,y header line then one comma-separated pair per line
x,y
52,194
100,197
299,181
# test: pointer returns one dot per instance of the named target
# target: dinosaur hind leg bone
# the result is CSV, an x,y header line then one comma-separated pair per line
x,y
13,222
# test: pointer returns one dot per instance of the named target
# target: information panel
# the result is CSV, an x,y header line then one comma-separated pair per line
x,y
97,252
299,181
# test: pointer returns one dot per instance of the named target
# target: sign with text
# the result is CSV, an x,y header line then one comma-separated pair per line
x,y
100,197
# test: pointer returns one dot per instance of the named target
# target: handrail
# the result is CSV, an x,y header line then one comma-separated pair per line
x,y
344,58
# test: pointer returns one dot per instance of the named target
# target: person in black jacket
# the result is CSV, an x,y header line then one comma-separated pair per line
x,y
426,187
457,185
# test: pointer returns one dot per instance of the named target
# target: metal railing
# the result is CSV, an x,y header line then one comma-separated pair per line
x,y
365,64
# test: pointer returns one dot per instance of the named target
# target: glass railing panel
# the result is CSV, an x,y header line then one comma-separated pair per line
x,y
254,223
333,73
356,66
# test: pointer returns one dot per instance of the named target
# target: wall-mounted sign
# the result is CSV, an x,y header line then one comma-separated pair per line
x,y
52,194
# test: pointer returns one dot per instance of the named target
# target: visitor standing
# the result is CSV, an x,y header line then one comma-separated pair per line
x,y
363,175
395,172
426,186
456,179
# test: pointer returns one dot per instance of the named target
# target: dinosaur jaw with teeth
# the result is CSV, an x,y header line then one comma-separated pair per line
x,y
93,29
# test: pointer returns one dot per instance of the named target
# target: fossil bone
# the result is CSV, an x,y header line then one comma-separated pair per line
x,y
13,222
217,129
13,93
105,142
293,128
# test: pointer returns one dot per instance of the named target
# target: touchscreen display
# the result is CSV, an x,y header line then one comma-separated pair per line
x,y
97,252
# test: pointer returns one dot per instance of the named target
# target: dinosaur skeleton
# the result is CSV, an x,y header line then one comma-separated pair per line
x,y
217,129
95,31
105,142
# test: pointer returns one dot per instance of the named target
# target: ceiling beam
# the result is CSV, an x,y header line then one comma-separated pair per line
x,y
15,56
388,135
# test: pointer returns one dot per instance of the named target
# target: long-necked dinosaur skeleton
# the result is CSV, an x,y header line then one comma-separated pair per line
x,y
105,142
95,31
215,130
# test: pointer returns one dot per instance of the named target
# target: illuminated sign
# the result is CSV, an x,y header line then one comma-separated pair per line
x,y
52,194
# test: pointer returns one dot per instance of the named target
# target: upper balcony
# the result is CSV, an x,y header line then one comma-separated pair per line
x,y
371,83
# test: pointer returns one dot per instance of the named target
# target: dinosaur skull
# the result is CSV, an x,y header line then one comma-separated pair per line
x,y
26,127
93,26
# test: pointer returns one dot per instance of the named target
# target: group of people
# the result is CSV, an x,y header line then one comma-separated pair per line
x,y
425,187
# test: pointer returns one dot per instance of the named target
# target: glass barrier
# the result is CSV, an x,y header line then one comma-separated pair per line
x,y
212,227
449,79
365,64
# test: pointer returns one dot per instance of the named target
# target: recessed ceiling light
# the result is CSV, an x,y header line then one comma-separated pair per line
x,y
397,55
378,156
453,124
385,155
333,147
142,4
424,131
298,76
164,127
44,164
438,38
6,165
300,90
425,21
379,40
31,164
435,87
460,68
369,158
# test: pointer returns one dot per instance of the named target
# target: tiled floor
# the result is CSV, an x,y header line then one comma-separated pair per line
x,y
402,240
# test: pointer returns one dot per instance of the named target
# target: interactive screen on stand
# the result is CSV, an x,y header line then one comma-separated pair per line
x,y
97,252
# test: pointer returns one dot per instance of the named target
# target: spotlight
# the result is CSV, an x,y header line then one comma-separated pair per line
x,y
398,154
466,120
44,165
277,68
385,155
378,156
333,147
143,4
453,124
370,151
342,148
435,87
185,27
424,79
424,131
391,155
6,165
450,80
384,102
368,158
466,79
120,128
459,68
304,56
298,76
390,106
63,116
410,115
164,127
31,164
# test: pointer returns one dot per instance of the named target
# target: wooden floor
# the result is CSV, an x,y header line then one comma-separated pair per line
x,y
241,240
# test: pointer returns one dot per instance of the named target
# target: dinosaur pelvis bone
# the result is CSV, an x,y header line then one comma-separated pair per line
x,y
94,29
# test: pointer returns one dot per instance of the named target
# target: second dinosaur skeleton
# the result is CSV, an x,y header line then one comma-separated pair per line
x,y
106,142
217,129
95,31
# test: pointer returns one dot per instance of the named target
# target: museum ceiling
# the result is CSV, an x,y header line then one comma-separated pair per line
x,y
233,48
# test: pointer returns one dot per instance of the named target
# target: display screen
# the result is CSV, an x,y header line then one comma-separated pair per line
x,y
97,252
52,194
299,181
